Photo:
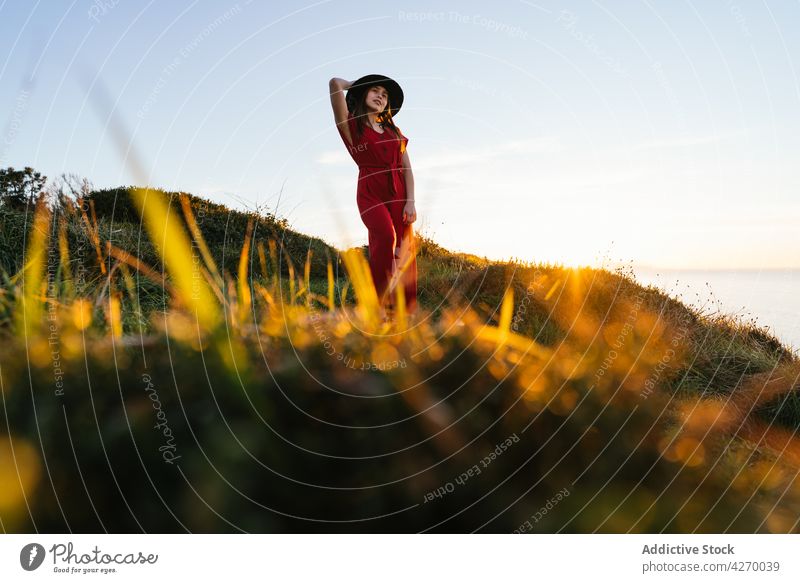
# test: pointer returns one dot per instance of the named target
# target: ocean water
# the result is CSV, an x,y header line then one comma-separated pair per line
x,y
771,297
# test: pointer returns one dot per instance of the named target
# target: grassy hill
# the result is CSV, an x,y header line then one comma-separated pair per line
x,y
208,370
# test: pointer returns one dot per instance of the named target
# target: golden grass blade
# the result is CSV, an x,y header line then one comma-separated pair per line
x,y
137,264
63,250
302,290
361,278
173,245
400,309
264,293
94,218
230,306
273,255
115,315
505,316
245,298
307,277
345,289
130,287
513,340
82,314
199,240
321,299
291,281
331,288
552,289
93,231
33,280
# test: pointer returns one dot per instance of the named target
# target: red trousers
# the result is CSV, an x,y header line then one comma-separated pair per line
x,y
384,221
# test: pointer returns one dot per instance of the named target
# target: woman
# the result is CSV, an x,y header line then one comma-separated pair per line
x,y
385,191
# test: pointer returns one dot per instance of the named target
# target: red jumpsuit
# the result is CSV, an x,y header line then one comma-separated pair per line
x,y
381,196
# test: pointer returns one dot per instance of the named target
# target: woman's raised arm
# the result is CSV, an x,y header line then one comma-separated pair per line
x,y
339,104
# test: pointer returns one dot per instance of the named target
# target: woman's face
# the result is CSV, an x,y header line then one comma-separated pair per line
x,y
377,98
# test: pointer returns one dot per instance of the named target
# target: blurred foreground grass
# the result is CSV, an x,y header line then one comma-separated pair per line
x,y
211,371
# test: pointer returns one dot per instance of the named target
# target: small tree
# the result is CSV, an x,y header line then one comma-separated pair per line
x,y
19,188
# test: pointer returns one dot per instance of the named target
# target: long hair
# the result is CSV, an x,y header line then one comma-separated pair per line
x,y
360,113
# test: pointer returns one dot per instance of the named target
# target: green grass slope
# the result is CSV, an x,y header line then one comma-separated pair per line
x,y
522,397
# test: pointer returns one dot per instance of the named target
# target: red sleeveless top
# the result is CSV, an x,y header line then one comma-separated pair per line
x,y
379,160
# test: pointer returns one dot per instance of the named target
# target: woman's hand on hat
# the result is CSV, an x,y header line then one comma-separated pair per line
x,y
339,84
409,213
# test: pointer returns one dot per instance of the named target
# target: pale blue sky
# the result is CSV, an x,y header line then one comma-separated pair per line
x,y
666,133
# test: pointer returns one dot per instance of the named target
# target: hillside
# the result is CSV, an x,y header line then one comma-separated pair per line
x,y
250,389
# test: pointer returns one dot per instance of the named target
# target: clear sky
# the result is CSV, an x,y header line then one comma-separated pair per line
x,y
664,133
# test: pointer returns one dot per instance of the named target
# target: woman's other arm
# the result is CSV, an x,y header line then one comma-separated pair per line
x,y
409,211
339,104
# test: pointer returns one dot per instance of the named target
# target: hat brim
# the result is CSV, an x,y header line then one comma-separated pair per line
x,y
360,86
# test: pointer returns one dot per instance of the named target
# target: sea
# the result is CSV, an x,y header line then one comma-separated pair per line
x,y
770,297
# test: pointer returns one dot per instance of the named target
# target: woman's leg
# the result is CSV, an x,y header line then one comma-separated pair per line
x,y
382,240
407,262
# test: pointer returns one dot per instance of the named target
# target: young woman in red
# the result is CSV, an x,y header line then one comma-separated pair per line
x,y
385,191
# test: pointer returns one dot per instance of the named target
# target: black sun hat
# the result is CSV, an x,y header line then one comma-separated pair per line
x,y
360,87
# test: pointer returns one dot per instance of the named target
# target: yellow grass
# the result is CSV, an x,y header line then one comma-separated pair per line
x,y
33,277
173,244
